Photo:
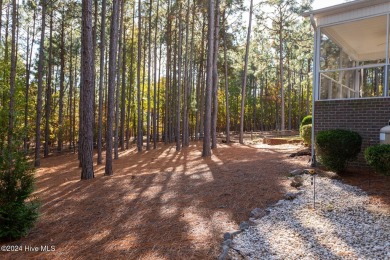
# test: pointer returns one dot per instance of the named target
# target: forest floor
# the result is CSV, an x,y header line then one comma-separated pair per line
x,y
160,204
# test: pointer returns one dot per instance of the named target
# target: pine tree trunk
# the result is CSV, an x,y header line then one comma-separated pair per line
x,y
75,73
191,78
1,15
71,103
143,79
261,105
118,74
12,75
48,90
111,84
308,89
173,104
86,94
6,74
185,142
243,93
28,70
167,81
215,81
202,98
179,85
62,79
158,93
200,88
301,94
101,81
37,161
131,82
254,105
139,60
289,95
155,107
123,88
209,84
94,47
226,83
193,72
148,112
281,78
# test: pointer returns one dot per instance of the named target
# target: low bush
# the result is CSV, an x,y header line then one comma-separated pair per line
x,y
307,120
336,147
378,157
306,134
18,210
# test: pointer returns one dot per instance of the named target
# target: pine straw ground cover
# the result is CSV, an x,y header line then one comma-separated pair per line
x,y
160,204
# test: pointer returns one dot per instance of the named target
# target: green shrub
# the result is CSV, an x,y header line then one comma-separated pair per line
x,y
307,120
306,134
378,157
336,147
18,211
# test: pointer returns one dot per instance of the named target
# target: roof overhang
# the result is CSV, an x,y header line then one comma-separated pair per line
x,y
357,27
342,8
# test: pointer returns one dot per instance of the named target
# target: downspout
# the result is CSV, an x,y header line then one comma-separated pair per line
x,y
315,75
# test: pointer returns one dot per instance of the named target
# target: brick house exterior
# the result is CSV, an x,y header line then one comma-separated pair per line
x,y
365,116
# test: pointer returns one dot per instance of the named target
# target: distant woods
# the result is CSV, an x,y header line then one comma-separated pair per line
x,y
92,76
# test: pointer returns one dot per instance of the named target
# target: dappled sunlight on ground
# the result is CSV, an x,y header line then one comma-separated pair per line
x,y
344,224
160,204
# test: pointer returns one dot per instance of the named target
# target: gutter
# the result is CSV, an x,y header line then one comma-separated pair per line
x,y
343,7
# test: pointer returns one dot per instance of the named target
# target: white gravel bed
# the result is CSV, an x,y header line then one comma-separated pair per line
x,y
341,227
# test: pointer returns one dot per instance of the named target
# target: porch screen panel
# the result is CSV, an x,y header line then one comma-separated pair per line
x,y
353,59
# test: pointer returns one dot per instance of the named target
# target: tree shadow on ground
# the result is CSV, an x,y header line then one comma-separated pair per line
x,y
317,233
376,185
160,204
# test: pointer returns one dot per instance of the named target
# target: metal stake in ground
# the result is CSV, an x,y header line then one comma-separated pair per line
x,y
312,172
314,191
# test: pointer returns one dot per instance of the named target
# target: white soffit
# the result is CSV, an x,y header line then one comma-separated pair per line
x,y
362,40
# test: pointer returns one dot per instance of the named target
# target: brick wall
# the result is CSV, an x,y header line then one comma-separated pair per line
x,y
365,116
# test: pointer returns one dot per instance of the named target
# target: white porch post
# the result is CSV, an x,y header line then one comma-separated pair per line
x,y
316,80
386,88
356,86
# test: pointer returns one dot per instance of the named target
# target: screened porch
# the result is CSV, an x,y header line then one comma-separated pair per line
x,y
352,55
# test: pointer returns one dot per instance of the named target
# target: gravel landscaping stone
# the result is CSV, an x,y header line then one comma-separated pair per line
x,y
297,181
341,226
258,213
244,226
292,195
296,172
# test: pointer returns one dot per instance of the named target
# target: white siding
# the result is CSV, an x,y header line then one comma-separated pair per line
x,y
354,14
